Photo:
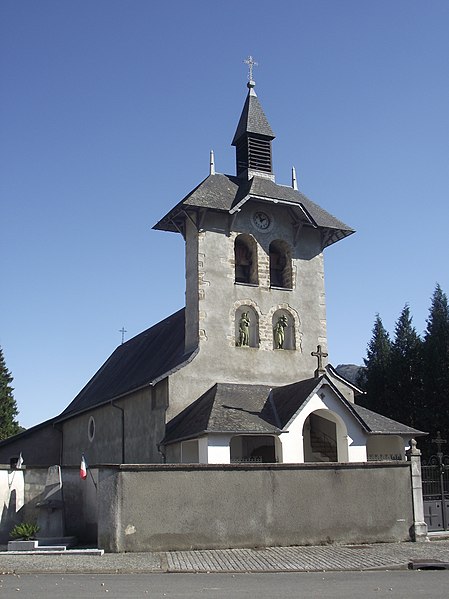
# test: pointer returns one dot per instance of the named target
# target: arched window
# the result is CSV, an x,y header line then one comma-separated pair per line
x,y
283,330
246,327
280,265
245,255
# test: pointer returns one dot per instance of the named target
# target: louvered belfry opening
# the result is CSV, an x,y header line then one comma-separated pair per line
x,y
254,153
252,139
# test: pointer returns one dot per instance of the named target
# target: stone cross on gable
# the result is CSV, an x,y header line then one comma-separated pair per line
x,y
320,355
251,63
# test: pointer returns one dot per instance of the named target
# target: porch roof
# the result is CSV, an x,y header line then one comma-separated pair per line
x,y
260,409
381,425
225,407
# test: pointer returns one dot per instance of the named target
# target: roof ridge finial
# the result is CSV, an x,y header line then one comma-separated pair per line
x,y
294,179
211,163
251,64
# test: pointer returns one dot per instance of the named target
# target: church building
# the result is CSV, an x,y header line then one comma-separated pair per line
x,y
240,374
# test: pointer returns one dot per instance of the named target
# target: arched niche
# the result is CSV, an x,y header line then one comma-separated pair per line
x,y
246,327
245,257
283,326
280,265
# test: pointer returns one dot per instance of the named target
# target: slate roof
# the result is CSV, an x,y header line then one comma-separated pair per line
x,y
253,119
225,407
137,363
225,193
259,409
382,425
289,398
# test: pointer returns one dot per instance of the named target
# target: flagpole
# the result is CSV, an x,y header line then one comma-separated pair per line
x,y
84,468
93,480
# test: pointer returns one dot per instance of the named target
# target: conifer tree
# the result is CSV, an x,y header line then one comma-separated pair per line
x,y
375,376
436,366
405,383
8,408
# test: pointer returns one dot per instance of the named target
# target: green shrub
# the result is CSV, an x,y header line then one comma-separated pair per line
x,y
24,531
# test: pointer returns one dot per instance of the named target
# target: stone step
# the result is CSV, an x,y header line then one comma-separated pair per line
x,y
67,541
52,550
320,457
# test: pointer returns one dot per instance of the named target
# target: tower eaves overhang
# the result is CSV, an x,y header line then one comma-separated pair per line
x,y
225,193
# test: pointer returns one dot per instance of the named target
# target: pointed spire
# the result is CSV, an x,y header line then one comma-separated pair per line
x,y
211,163
294,180
253,136
253,119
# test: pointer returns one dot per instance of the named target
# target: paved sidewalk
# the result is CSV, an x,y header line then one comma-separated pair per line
x,y
271,559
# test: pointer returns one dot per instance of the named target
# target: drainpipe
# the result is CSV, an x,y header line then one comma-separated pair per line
x,y
123,429
162,453
58,427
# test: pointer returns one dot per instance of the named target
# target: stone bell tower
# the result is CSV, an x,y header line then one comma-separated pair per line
x,y
255,299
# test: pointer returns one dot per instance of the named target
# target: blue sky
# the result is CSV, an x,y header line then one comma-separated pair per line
x,y
108,110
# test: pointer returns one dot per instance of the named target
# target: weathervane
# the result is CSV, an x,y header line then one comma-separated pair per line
x,y
251,63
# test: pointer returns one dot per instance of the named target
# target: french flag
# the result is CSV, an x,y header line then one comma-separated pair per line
x,y
83,468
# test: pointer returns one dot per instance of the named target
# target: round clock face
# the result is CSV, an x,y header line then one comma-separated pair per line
x,y
261,220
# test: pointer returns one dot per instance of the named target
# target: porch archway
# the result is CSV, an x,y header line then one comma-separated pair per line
x,y
325,437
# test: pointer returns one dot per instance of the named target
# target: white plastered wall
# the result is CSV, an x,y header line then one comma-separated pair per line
x,y
218,449
351,439
203,450
12,481
12,498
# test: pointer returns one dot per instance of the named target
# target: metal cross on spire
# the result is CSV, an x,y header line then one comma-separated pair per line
x,y
251,63
123,331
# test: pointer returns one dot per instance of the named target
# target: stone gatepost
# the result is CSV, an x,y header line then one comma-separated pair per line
x,y
419,529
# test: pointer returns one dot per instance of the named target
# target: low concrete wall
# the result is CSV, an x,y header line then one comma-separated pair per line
x,y
182,506
80,504
202,506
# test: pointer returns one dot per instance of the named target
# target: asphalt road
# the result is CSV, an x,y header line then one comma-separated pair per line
x,y
335,585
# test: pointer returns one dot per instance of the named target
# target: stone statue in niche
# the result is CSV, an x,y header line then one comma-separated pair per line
x,y
244,323
279,332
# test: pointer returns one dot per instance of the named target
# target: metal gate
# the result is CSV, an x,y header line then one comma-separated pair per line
x,y
435,484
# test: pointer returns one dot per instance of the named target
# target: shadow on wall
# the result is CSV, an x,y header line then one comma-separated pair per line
x,y
10,517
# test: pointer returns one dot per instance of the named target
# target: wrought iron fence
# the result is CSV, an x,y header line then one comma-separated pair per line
x,y
435,478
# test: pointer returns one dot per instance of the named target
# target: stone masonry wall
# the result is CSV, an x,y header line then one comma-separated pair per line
x,y
214,301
